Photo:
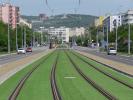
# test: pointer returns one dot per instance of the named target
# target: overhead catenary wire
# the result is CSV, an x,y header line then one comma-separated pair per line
x,y
47,4
52,10
77,8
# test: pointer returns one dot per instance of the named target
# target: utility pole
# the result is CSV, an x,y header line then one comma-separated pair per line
x,y
33,39
16,37
129,40
42,35
107,38
9,45
116,38
103,33
24,38
90,37
22,29
97,38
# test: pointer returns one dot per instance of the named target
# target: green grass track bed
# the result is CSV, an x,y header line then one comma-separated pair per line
x,y
120,91
71,85
36,86
116,74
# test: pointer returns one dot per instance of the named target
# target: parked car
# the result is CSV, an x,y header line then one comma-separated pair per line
x,y
21,51
29,49
112,51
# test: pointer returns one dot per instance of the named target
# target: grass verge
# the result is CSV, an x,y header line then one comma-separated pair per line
x,y
8,86
71,85
120,91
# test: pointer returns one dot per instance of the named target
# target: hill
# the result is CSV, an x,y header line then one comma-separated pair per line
x,y
68,20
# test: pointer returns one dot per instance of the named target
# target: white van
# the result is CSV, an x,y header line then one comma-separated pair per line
x,y
111,51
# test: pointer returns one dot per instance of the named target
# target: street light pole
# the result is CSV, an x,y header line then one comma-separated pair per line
x,y
116,38
16,37
22,30
33,39
107,38
129,40
97,38
9,45
24,37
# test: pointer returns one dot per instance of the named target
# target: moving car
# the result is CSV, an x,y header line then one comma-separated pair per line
x,y
29,49
112,50
21,51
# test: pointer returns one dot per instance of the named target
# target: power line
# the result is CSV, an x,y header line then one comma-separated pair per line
x,y
52,10
47,4
76,9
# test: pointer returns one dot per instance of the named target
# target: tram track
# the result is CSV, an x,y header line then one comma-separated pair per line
x,y
91,82
103,72
55,91
22,81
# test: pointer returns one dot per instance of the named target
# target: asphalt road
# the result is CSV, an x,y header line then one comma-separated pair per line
x,y
13,57
119,58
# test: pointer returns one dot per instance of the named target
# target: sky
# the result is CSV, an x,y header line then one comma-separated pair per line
x,y
89,7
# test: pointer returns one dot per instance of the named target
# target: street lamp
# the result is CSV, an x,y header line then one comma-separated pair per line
x,y
116,38
42,40
107,38
97,38
9,45
24,37
129,40
16,38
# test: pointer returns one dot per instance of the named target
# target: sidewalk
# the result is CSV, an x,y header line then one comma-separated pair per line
x,y
104,52
9,69
6,54
116,65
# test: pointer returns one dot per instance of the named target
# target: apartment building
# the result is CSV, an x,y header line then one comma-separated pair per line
x,y
9,14
127,18
62,33
111,22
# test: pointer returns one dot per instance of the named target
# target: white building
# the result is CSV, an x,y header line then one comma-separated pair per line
x,y
127,18
25,22
111,22
77,31
61,33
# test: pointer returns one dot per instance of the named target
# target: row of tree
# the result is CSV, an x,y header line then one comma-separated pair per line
x,y
21,30
90,36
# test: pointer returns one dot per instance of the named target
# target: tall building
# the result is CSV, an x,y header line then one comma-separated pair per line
x,y
111,22
99,21
127,18
61,33
9,14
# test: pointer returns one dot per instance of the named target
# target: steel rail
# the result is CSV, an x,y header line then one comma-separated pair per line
x,y
103,72
55,91
21,83
91,82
